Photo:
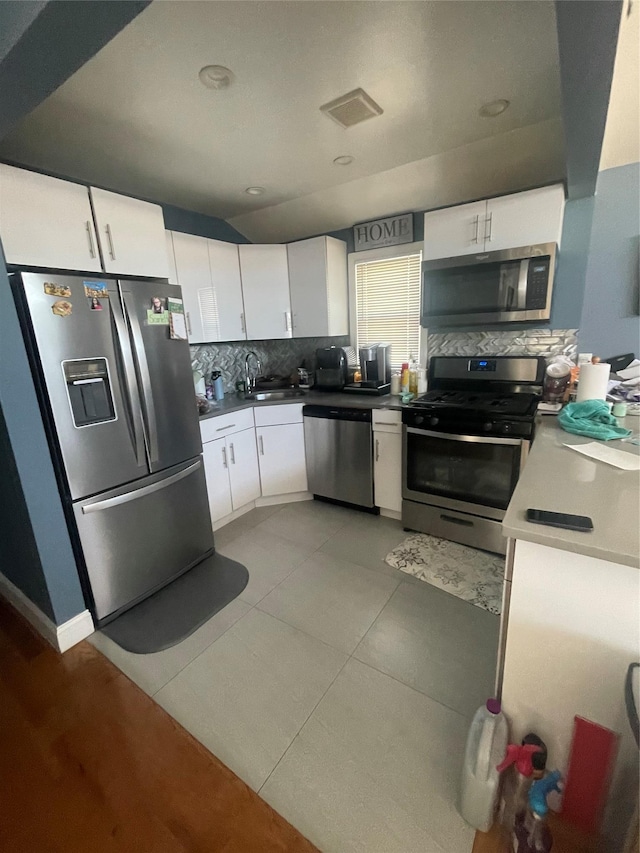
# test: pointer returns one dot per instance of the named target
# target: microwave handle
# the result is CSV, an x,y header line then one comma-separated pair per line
x,y
522,284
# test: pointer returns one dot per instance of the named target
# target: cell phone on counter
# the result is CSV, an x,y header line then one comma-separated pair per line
x,y
582,523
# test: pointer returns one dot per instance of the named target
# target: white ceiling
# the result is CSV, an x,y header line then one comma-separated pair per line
x,y
136,119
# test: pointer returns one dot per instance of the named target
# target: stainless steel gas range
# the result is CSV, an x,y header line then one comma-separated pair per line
x,y
465,443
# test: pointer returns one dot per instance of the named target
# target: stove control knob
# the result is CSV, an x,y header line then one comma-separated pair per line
x,y
506,428
434,421
487,427
418,419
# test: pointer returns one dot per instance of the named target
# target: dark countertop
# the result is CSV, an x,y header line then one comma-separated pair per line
x,y
233,403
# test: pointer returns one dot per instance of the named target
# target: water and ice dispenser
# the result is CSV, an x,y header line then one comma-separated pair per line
x,y
89,391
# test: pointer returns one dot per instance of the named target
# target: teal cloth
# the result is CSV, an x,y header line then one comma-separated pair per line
x,y
593,419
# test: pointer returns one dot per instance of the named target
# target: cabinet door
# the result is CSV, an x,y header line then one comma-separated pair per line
x,y
524,219
171,258
131,234
46,222
265,287
244,474
337,287
308,285
387,470
227,290
454,231
283,467
216,470
194,277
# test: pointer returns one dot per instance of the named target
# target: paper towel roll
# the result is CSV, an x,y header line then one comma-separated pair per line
x,y
593,382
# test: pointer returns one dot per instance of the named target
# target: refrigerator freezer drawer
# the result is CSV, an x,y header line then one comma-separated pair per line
x,y
139,537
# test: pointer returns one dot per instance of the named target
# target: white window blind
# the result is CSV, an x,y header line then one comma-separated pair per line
x,y
388,305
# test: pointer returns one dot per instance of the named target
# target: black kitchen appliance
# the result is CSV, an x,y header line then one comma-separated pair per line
x,y
465,443
331,369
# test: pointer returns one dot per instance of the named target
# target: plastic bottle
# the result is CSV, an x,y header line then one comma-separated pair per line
x,y
531,833
523,763
486,745
404,378
413,377
218,385
422,380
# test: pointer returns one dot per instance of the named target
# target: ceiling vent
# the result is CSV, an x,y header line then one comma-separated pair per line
x,y
352,108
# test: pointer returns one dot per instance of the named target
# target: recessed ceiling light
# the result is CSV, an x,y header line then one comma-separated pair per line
x,y
216,77
254,190
343,160
493,108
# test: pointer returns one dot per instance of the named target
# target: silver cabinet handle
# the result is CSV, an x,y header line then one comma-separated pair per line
x,y
488,221
112,251
242,324
188,323
386,423
140,353
233,455
476,223
287,321
377,449
224,457
92,248
221,429
261,445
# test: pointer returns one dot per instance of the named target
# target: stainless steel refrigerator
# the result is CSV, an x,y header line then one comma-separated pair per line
x,y
118,402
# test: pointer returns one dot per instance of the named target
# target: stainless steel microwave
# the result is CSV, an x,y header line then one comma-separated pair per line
x,y
509,286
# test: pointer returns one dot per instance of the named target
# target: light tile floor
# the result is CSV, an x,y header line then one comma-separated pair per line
x,y
339,688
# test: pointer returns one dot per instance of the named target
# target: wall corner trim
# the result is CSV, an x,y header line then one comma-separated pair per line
x,y
61,637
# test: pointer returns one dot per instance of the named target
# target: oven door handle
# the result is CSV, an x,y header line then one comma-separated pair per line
x,y
474,439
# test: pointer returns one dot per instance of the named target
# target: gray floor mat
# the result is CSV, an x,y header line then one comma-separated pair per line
x,y
176,611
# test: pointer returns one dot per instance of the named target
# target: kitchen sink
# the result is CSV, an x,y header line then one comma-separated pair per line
x,y
284,394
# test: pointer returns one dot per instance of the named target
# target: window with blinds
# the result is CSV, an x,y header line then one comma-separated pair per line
x,y
388,305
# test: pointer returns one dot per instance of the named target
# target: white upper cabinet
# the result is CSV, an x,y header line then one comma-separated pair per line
x,y
454,231
227,290
524,219
265,285
46,222
131,234
508,222
194,277
318,284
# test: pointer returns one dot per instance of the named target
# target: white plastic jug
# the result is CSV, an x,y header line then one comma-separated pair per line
x,y
486,746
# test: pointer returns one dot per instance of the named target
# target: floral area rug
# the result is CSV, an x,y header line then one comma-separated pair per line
x,y
472,575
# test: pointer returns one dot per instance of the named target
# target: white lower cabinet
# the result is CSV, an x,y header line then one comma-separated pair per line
x,y
231,472
283,467
387,460
216,470
244,476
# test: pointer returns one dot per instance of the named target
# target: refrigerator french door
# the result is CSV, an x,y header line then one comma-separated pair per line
x,y
118,394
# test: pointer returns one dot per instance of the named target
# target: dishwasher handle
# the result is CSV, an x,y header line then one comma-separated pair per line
x,y
337,413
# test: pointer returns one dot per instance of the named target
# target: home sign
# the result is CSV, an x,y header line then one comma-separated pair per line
x,y
391,231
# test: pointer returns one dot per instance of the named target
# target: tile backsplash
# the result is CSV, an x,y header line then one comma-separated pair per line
x,y
277,357
544,342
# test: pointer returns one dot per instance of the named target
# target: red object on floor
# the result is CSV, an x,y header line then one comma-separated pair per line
x,y
593,753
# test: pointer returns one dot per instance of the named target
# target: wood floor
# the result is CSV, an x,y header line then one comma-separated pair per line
x,y
89,762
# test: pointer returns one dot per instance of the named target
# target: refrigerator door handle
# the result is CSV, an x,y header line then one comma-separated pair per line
x,y
145,378
130,392
140,493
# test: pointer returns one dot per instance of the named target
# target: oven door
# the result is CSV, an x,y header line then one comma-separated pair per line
x,y
472,473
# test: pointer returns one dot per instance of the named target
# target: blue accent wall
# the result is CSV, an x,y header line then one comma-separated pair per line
x,y
610,323
571,270
189,222
30,458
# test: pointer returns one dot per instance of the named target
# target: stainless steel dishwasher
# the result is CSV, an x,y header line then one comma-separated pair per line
x,y
338,445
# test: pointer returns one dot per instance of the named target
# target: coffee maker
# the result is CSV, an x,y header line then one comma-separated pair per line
x,y
331,369
375,370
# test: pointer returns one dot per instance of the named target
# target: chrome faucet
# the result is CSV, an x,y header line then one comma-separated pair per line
x,y
249,377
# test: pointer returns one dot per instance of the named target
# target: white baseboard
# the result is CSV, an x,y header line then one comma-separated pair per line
x,y
237,513
294,497
391,513
61,637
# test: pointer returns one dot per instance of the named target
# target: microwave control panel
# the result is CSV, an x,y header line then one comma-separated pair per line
x,y
538,282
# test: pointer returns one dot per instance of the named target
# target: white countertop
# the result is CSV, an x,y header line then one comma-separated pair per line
x,y
558,479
